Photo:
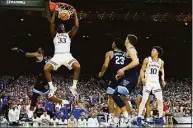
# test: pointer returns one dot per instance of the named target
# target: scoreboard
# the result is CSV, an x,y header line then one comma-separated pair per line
x,y
22,3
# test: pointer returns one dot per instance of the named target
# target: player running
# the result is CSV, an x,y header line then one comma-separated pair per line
x,y
150,78
41,86
62,55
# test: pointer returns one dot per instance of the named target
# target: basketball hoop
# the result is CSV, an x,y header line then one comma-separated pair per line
x,y
62,8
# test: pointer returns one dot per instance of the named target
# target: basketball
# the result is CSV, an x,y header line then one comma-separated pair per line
x,y
64,15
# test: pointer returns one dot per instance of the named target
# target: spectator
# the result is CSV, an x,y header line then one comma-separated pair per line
x,y
63,122
82,121
13,115
39,110
57,112
93,121
3,121
45,119
72,122
177,94
54,121
166,108
36,121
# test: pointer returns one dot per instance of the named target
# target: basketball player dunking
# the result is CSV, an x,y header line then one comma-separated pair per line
x,y
150,78
62,55
114,60
41,86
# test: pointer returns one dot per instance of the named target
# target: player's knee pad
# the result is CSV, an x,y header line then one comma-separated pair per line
x,y
117,99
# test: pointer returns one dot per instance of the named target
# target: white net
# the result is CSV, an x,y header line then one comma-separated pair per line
x,y
63,6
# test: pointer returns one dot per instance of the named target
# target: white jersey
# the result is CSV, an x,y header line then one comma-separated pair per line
x,y
62,43
152,70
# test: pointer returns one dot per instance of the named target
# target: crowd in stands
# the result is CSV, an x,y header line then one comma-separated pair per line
x,y
15,102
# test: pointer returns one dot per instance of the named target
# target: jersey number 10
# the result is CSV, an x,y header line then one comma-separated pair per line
x,y
153,71
120,60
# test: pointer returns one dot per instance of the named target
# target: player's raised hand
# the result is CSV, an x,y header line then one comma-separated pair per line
x,y
75,13
163,83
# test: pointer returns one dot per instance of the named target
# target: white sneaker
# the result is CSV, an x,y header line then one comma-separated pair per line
x,y
73,90
52,91
113,124
128,124
65,102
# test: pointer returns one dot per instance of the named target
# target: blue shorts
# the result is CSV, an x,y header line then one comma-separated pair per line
x,y
110,91
36,94
112,85
126,86
43,92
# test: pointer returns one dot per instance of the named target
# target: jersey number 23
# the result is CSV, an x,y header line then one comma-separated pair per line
x,y
120,60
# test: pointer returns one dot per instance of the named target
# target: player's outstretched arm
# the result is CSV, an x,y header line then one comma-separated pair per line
x,y
106,63
47,9
142,71
27,54
163,73
32,54
74,30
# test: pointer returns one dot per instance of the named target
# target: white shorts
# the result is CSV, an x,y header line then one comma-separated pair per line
x,y
154,87
65,59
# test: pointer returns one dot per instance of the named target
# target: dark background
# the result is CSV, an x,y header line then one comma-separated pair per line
x,y
96,34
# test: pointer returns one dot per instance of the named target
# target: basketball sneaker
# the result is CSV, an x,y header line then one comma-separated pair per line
x,y
139,122
52,91
73,90
161,121
127,123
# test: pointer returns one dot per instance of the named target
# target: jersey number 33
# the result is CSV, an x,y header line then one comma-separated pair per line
x,y
62,40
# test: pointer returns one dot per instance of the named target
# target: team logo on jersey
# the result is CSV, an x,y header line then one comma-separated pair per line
x,y
125,82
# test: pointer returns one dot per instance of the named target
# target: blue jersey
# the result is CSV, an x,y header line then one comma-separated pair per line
x,y
40,66
117,62
41,83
